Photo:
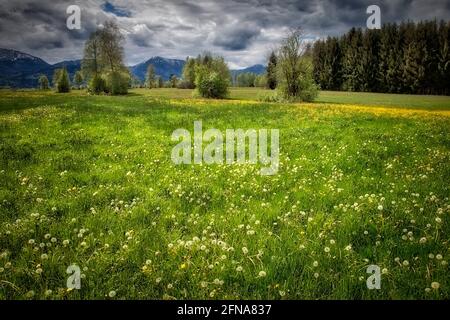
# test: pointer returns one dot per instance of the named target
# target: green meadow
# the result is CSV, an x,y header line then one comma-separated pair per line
x,y
89,180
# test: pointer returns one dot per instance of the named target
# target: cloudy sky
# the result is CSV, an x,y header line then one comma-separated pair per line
x,y
242,31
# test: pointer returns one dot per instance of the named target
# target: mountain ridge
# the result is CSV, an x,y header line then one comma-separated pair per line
x,y
22,70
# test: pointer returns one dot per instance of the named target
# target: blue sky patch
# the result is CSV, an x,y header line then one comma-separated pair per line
x,y
118,11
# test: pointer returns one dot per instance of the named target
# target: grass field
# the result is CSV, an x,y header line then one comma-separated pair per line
x,y
88,180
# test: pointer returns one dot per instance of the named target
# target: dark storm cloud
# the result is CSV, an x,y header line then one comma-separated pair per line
x,y
236,39
242,31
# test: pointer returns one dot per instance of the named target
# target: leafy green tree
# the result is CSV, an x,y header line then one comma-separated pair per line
x,y
103,61
43,82
212,77
294,71
160,82
135,82
150,77
56,75
246,79
261,81
90,65
111,46
189,73
173,81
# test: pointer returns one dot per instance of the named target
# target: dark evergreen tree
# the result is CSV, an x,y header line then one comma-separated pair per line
x,y
333,65
406,58
353,72
318,59
443,60
370,61
414,56
272,71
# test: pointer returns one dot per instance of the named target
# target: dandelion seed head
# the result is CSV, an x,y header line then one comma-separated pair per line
x,y
435,285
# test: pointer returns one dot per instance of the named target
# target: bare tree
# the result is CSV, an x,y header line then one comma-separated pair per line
x,y
111,50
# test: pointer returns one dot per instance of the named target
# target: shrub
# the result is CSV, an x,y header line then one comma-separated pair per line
x,y
117,82
212,76
210,84
270,96
183,84
97,85
212,79
309,90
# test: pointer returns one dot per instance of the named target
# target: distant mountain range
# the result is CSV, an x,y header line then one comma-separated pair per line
x,y
163,67
22,70
257,69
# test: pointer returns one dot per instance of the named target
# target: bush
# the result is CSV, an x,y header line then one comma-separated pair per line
x,y
117,82
303,88
212,77
270,96
63,82
97,85
184,85
309,90
210,84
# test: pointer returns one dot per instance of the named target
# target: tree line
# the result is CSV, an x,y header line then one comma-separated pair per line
x,y
61,81
398,58
289,70
102,68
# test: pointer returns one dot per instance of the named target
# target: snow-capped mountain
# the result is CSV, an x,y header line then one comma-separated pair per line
x,y
16,64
